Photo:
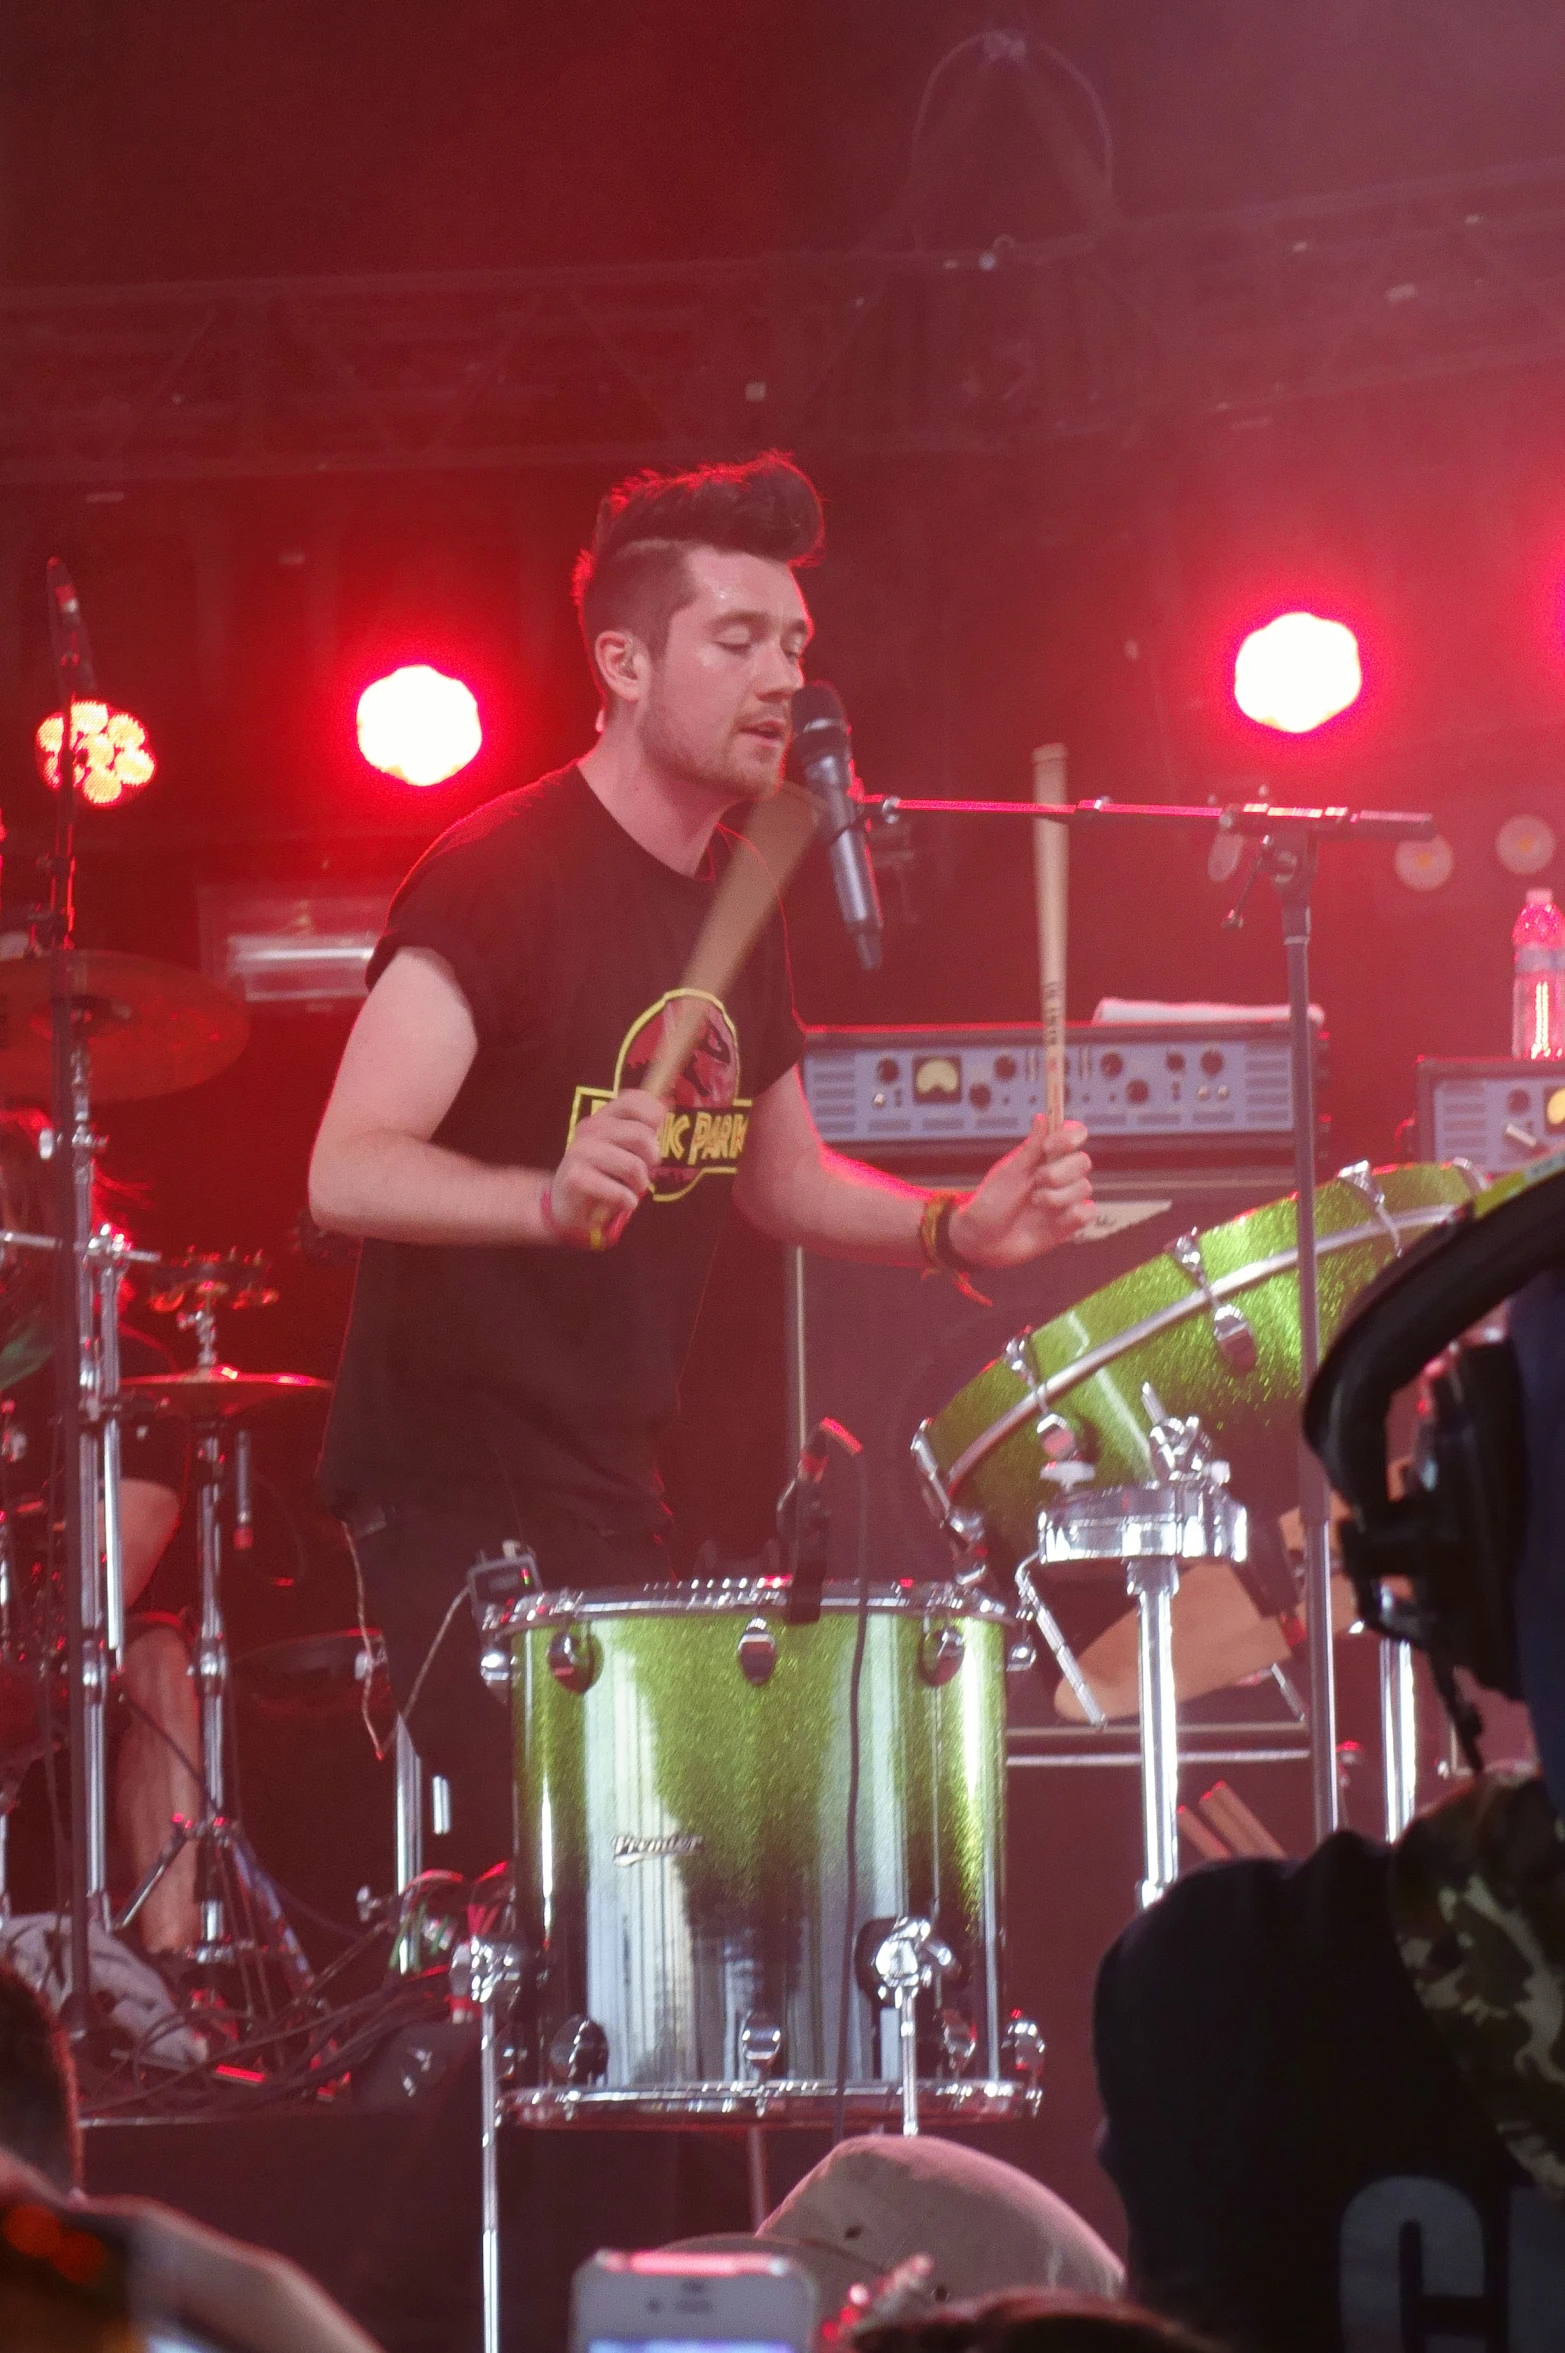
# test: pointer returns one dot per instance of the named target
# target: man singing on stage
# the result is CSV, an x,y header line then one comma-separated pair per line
x,y
538,1229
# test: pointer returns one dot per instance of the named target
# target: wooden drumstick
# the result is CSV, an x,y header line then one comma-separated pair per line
x,y
779,832
776,837
1051,874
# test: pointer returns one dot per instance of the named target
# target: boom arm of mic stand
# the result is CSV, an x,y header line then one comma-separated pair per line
x,y
1255,819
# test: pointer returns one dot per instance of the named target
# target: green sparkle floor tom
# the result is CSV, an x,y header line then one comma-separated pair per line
x,y
1209,1328
683,1756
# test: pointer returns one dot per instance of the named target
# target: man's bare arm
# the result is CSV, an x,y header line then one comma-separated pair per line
x,y
794,1188
375,1172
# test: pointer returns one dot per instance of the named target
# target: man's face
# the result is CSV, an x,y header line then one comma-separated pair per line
x,y
715,710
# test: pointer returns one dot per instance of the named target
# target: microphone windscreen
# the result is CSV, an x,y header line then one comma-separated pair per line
x,y
819,708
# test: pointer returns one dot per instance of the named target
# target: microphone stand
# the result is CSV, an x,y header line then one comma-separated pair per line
x,y
1287,848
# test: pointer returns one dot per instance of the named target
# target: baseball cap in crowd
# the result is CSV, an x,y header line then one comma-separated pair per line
x,y
874,2203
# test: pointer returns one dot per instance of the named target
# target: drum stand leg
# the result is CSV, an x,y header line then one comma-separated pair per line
x,y
1152,1585
492,1972
1035,1607
1398,1736
755,2157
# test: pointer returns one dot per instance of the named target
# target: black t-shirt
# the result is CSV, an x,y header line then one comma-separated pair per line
x,y
1301,2164
479,1374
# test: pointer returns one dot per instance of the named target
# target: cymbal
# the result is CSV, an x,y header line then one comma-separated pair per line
x,y
219,1392
154,1027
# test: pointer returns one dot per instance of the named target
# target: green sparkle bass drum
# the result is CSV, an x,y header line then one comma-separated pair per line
x,y
1209,1328
684,1757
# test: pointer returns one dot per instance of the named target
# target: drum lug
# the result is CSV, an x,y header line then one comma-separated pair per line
x,y
931,1485
964,1526
578,2052
1021,1655
958,2041
757,1652
1023,2051
760,2046
1230,1325
575,1659
1360,1174
940,1653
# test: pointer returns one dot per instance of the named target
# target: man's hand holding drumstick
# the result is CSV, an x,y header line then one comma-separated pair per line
x,y
1036,1197
612,1156
607,1167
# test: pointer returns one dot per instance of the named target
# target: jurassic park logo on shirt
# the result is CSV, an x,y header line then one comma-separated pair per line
x,y
708,1119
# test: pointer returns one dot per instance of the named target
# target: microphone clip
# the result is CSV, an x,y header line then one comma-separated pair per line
x,y
804,1520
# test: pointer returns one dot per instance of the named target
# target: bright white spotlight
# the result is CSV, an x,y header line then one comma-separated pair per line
x,y
419,725
1297,672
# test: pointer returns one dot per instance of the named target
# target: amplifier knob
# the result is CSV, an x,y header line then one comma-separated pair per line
x,y
1005,1066
1137,1091
1111,1064
980,1096
1518,1101
886,1070
1174,1061
1211,1062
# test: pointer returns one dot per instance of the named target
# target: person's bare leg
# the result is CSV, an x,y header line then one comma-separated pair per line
x,y
156,1777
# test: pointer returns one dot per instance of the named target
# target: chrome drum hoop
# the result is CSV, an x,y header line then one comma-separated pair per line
x,y
963,2102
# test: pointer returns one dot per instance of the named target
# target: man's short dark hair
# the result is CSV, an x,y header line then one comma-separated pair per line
x,y
37,2084
633,574
1025,2320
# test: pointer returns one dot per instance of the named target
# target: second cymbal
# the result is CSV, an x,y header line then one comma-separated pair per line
x,y
153,1027
220,1392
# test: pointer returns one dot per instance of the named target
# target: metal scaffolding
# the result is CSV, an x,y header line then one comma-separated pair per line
x,y
866,354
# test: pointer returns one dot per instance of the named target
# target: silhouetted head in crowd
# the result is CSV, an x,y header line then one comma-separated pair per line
x,y
1027,2320
37,2085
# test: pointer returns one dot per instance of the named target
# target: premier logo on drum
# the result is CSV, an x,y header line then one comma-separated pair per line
x,y
629,1849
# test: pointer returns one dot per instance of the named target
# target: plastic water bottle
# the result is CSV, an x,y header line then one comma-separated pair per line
x,y
1538,992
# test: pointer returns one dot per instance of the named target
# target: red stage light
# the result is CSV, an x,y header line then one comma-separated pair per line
x,y
419,725
1297,672
114,760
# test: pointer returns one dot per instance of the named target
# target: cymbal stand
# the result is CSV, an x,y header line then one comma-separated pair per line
x,y
75,1354
242,1922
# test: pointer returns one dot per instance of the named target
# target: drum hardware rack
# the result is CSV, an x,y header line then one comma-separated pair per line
x,y
1286,844
1147,1531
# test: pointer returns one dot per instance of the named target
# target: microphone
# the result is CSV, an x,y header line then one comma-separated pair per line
x,y
814,1455
244,1507
67,629
821,753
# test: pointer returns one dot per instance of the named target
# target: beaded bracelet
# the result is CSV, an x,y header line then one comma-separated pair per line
x,y
940,1254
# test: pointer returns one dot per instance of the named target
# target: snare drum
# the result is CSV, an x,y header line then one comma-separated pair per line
x,y
1210,1328
683,1762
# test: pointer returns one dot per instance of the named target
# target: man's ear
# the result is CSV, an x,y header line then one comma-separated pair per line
x,y
624,665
